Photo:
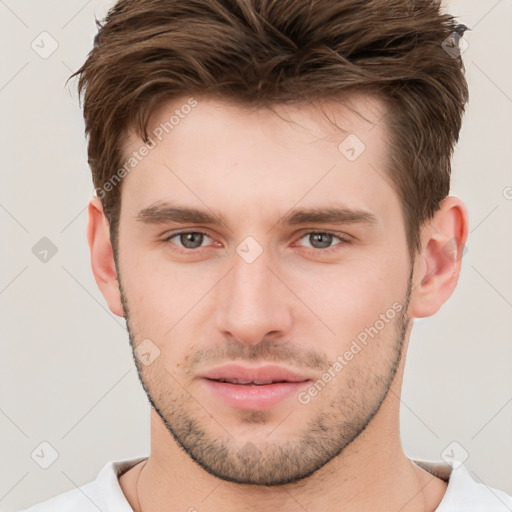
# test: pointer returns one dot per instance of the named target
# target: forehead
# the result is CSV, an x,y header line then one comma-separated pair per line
x,y
207,150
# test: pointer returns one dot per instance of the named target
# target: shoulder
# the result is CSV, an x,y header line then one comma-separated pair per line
x,y
75,499
465,492
104,493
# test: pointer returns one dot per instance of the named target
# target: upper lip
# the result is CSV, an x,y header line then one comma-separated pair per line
x,y
266,373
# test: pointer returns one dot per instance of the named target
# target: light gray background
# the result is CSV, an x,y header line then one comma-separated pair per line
x,y
66,370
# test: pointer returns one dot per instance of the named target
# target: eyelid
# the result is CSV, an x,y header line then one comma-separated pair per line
x,y
338,234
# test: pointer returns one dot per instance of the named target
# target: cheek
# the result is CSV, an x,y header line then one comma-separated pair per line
x,y
155,285
154,307
352,297
164,302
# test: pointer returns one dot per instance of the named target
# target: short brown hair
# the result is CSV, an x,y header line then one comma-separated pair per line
x,y
270,52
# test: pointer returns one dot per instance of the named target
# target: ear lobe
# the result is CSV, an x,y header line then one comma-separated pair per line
x,y
102,256
437,268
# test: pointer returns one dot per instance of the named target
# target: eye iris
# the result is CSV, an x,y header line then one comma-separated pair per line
x,y
191,240
327,240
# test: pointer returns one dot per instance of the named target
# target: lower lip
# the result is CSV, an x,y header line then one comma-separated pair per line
x,y
254,398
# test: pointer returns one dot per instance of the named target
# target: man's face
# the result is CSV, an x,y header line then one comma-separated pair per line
x,y
259,289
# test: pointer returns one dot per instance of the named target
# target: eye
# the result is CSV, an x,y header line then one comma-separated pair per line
x,y
319,241
188,239
322,240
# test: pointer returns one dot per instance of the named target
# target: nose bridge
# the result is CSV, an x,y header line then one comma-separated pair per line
x,y
252,301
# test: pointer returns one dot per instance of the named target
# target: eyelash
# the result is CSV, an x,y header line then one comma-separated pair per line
x,y
343,241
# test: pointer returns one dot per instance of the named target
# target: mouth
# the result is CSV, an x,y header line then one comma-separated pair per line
x,y
249,382
259,375
253,388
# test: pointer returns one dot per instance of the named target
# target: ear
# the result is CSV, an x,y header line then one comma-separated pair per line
x,y
102,256
437,268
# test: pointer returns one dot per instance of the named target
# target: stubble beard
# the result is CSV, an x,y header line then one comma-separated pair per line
x,y
325,435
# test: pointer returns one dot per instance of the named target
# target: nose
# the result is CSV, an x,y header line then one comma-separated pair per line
x,y
254,303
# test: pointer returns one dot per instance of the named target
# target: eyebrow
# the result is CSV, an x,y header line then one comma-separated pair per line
x,y
332,215
161,213
165,212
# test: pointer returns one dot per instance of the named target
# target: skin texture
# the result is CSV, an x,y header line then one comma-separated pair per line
x,y
295,305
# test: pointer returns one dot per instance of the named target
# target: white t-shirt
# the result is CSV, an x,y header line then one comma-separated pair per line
x,y
462,494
